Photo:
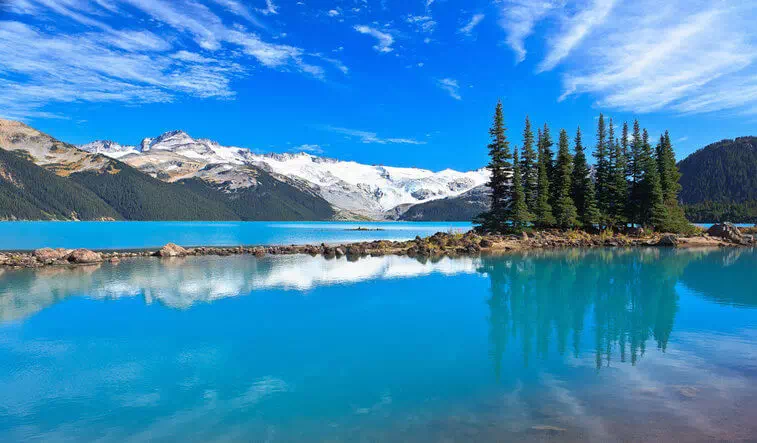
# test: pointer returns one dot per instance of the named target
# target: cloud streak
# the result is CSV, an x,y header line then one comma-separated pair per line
x,y
196,54
471,25
575,29
687,59
518,18
384,40
368,137
451,87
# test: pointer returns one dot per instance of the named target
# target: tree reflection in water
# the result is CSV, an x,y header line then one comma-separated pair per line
x,y
626,296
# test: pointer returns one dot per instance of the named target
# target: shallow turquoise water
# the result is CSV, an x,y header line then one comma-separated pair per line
x,y
135,235
641,344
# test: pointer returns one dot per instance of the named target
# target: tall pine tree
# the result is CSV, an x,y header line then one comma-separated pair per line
x,y
653,211
635,170
499,166
583,187
669,177
518,214
549,155
618,195
565,211
602,174
529,168
543,216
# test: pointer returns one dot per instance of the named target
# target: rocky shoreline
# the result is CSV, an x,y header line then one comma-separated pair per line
x,y
437,245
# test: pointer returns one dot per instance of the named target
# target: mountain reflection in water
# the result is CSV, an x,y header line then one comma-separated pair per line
x,y
627,344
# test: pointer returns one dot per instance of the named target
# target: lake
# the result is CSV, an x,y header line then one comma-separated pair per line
x,y
136,235
601,345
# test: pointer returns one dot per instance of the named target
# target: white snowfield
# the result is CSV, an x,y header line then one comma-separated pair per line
x,y
366,189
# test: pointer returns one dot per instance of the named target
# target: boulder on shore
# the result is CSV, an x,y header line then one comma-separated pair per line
x,y
668,240
83,256
49,254
727,231
171,250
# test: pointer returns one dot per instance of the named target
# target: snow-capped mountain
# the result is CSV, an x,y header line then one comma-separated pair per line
x,y
370,190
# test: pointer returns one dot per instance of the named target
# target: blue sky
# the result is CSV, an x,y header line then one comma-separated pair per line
x,y
395,82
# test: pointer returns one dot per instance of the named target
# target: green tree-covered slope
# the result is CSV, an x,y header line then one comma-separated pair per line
x,y
137,196
30,192
271,199
725,171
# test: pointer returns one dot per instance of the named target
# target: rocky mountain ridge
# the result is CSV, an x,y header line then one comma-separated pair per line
x,y
371,191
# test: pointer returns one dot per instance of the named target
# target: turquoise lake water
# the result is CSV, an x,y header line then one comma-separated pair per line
x,y
135,235
603,345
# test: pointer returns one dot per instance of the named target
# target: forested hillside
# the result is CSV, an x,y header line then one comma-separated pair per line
x,y
720,182
271,199
725,171
137,196
28,191
461,208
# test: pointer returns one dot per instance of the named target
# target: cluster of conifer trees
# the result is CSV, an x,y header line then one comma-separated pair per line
x,y
632,183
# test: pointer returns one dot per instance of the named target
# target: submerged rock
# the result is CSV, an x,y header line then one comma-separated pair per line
x,y
727,231
171,250
83,256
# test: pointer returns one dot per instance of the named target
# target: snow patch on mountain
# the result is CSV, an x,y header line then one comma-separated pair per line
x,y
372,190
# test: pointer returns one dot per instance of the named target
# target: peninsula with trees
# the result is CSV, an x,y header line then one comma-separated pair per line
x,y
633,187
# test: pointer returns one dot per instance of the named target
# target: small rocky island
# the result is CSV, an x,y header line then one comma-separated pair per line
x,y
438,245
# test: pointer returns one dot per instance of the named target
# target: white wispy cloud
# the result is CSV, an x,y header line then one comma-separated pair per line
x,y
686,56
472,23
424,23
689,56
368,137
518,18
310,149
574,30
99,63
270,8
385,40
451,87
239,9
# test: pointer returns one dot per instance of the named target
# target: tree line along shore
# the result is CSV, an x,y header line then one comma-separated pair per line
x,y
631,186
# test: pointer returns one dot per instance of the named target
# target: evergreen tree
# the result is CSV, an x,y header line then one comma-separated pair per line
x,y
602,175
634,207
618,196
565,211
583,193
529,168
547,143
543,211
653,212
626,154
669,176
499,165
518,214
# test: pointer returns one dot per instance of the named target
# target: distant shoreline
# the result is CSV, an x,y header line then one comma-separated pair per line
x,y
436,246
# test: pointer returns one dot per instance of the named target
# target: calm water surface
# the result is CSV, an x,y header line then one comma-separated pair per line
x,y
135,235
641,344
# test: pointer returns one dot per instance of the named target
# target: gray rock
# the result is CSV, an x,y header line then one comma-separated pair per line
x,y
50,254
727,231
171,250
83,256
669,240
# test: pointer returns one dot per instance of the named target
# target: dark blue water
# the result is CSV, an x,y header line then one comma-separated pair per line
x,y
135,235
609,345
